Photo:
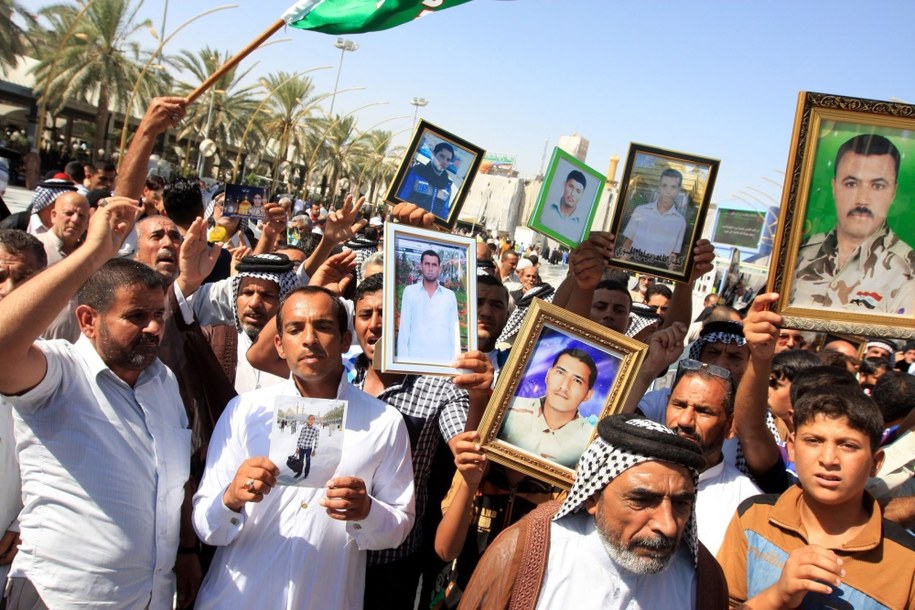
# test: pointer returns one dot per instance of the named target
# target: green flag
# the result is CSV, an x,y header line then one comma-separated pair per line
x,y
355,16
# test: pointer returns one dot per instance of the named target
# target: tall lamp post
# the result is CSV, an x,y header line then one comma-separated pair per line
x,y
418,102
344,45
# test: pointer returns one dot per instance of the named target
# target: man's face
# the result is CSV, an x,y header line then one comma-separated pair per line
x,y
730,356
846,349
431,268
508,264
659,303
879,352
571,194
833,460
127,336
15,269
790,339
863,189
909,356
696,411
311,421
102,180
367,321
258,300
610,308
158,244
441,160
258,200
567,385
492,314
311,342
70,218
641,515
528,278
668,190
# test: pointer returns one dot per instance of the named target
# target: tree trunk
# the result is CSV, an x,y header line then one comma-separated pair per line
x,y
101,120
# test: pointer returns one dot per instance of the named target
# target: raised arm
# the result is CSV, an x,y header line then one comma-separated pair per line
x,y
274,231
760,328
341,225
27,312
664,347
163,112
681,305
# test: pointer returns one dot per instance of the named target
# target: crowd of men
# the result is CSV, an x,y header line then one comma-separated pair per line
x,y
142,362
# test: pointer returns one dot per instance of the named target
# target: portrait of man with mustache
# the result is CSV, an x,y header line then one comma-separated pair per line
x,y
860,265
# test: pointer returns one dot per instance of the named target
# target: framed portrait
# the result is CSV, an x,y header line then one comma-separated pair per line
x,y
436,173
843,259
563,375
430,300
568,200
243,201
664,198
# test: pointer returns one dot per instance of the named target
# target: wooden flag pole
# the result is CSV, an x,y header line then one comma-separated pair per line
x,y
215,76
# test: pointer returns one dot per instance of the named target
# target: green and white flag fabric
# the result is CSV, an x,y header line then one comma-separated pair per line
x,y
355,16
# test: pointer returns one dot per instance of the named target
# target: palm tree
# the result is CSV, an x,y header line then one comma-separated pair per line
x,y
98,64
290,108
341,146
232,104
13,39
371,166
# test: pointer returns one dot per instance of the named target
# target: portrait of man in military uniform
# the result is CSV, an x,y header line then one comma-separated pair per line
x,y
860,264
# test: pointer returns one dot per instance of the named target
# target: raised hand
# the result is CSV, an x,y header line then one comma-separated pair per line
x,y
341,224
335,273
413,215
761,327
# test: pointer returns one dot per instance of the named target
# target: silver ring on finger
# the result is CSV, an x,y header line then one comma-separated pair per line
x,y
249,486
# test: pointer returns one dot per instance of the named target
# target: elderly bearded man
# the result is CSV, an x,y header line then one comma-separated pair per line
x,y
634,545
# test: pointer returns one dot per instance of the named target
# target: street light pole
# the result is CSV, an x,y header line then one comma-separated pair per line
x,y
344,46
418,102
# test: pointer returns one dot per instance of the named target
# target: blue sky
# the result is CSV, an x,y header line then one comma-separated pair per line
x,y
713,78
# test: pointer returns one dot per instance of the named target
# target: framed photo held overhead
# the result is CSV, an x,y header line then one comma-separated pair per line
x,y
244,201
564,373
664,198
568,200
429,315
843,260
436,173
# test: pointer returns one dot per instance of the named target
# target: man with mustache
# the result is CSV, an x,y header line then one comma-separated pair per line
x,y
427,184
701,409
102,433
551,426
625,537
860,265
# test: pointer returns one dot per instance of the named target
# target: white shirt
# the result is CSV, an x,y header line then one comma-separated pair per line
x,y
11,491
285,552
655,233
721,490
52,246
570,227
429,330
103,473
36,227
580,574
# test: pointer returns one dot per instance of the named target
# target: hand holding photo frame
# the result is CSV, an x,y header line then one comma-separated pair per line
x,y
664,198
568,200
436,173
564,374
429,300
843,260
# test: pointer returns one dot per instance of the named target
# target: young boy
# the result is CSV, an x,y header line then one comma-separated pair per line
x,y
823,543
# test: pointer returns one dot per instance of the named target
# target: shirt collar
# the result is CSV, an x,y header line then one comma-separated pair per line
x,y
786,513
711,473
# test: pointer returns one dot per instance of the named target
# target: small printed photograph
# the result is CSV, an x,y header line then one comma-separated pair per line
x,y
664,198
436,173
244,201
568,200
306,439
431,318
563,389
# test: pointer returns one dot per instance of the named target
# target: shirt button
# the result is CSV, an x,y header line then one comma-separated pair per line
x,y
303,505
233,521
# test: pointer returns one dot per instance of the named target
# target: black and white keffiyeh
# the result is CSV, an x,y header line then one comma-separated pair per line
x,y
624,441
723,331
271,267
47,192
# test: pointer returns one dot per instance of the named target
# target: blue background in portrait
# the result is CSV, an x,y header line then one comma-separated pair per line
x,y
550,343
